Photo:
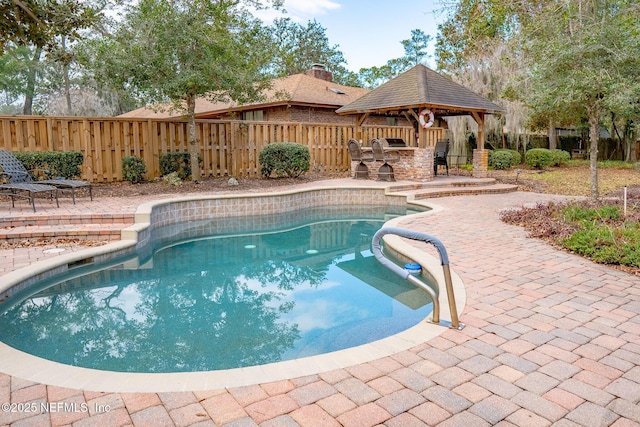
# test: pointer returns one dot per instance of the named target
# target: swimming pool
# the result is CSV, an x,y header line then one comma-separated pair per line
x,y
293,285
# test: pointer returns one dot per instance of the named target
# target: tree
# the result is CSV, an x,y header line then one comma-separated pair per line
x,y
13,69
415,52
415,49
375,76
299,47
470,25
39,23
478,46
176,50
584,63
42,26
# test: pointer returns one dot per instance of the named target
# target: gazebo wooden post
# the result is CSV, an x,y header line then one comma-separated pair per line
x,y
360,118
480,155
422,133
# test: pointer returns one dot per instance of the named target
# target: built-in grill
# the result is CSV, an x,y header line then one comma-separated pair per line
x,y
395,142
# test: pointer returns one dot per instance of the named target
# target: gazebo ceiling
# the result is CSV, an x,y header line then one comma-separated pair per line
x,y
421,87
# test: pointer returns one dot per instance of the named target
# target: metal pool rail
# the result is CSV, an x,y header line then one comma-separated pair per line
x,y
444,261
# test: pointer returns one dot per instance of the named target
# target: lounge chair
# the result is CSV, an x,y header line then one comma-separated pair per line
x,y
385,173
362,171
17,173
440,156
26,191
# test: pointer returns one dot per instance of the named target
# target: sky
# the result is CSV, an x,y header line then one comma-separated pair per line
x,y
368,33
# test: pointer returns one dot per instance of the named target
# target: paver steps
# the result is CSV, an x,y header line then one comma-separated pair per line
x,y
84,227
458,188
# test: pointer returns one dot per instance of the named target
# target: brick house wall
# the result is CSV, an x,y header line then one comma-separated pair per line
x,y
303,114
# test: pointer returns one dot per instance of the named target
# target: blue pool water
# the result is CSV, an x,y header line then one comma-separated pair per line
x,y
258,291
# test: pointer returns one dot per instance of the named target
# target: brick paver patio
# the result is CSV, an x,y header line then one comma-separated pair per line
x,y
550,339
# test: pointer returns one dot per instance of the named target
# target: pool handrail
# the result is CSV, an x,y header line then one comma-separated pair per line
x,y
444,261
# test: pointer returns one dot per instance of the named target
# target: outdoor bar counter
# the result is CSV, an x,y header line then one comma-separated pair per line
x,y
415,164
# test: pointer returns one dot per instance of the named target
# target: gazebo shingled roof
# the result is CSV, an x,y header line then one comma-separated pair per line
x,y
421,87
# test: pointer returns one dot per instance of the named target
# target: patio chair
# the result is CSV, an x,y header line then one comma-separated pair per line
x,y
362,171
17,173
25,190
440,156
385,172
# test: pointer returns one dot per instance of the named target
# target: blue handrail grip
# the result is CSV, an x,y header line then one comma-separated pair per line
x,y
410,234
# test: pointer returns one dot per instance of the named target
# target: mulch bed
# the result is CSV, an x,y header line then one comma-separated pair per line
x,y
207,185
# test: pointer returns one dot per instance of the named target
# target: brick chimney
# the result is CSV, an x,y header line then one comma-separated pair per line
x,y
319,71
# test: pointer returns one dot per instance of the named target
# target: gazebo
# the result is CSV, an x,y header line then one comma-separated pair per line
x,y
423,96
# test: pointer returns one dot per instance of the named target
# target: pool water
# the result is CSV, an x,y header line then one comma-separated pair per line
x,y
235,299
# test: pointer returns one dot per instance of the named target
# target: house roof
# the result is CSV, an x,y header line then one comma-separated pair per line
x,y
421,87
298,89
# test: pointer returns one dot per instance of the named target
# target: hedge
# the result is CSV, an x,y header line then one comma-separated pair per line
x,y
51,164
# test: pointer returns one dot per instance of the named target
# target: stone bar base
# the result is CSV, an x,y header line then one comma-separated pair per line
x,y
480,163
415,164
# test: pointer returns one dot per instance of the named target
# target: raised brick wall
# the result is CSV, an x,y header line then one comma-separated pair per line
x,y
415,164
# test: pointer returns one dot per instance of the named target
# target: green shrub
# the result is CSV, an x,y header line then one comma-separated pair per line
x,y
598,240
505,158
608,245
560,157
501,159
285,158
539,158
177,162
133,169
516,157
51,164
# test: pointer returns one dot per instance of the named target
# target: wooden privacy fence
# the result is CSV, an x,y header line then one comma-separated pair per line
x,y
228,148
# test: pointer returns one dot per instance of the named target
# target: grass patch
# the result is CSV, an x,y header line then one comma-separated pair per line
x,y
574,179
603,164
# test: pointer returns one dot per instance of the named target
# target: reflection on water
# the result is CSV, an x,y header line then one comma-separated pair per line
x,y
206,303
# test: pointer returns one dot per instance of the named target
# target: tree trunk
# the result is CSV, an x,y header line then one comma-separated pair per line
x,y
594,136
553,136
633,153
30,90
65,75
194,148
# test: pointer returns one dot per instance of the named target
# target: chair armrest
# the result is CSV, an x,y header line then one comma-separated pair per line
x,y
366,154
16,176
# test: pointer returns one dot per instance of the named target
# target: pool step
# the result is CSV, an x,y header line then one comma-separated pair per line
x,y
82,227
444,182
458,189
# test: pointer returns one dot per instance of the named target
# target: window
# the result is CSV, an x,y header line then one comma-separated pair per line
x,y
256,115
392,121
